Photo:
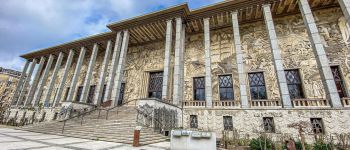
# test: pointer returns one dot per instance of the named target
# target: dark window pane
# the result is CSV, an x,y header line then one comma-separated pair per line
x,y
317,125
193,121
79,92
269,125
262,92
226,87
121,95
228,123
103,93
294,84
91,94
257,85
66,95
339,82
155,85
199,88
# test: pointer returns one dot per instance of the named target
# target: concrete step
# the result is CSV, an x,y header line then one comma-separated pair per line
x,y
118,128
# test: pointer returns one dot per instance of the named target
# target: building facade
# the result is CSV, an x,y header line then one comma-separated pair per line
x,y
256,66
8,83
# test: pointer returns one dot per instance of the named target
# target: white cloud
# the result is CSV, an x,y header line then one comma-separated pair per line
x,y
27,25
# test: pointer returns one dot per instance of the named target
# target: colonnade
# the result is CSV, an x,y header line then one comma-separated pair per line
x,y
115,78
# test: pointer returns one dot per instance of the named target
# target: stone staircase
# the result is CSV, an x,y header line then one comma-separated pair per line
x,y
118,128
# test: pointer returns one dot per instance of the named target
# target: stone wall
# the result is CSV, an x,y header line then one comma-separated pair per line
x,y
250,121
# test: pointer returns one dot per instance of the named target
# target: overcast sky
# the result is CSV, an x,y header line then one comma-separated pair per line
x,y
28,25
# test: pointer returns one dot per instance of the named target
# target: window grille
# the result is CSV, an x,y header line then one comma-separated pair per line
x,y
199,88
79,92
121,95
257,85
91,94
193,121
155,85
269,125
339,82
226,87
294,84
228,123
317,125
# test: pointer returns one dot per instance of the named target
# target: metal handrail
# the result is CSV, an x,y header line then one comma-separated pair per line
x,y
82,115
152,117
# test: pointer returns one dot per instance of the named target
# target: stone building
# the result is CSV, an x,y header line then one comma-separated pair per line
x,y
8,82
255,66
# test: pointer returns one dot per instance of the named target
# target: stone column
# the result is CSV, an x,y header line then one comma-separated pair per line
x,y
32,89
345,7
120,70
239,61
321,57
42,81
53,78
177,66
276,56
76,75
64,78
86,87
20,83
166,74
101,81
208,86
182,67
112,71
26,82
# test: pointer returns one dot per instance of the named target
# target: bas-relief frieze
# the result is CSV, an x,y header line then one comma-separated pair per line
x,y
258,56
297,53
141,59
294,43
222,61
335,33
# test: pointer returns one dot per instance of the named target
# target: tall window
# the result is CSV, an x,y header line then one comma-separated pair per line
x,y
317,125
199,88
79,92
228,123
226,87
269,125
91,95
121,95
103,93
257,85
155,85
66,95
294,84
339,82
193,121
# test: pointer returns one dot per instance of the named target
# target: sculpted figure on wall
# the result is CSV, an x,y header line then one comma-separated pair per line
x,y
344,29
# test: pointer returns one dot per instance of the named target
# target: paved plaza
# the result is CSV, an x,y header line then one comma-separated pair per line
x,y
12,139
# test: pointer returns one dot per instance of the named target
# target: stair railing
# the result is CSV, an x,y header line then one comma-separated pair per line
x,y
81,115
151,118
114,107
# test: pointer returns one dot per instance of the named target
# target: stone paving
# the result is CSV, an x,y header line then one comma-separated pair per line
x,y
12,139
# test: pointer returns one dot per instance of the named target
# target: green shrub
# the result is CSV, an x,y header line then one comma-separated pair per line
x,y
299,146
321,146
261,143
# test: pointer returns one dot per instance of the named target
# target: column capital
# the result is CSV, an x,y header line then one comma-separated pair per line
x,y
206,19
235,12
266,5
